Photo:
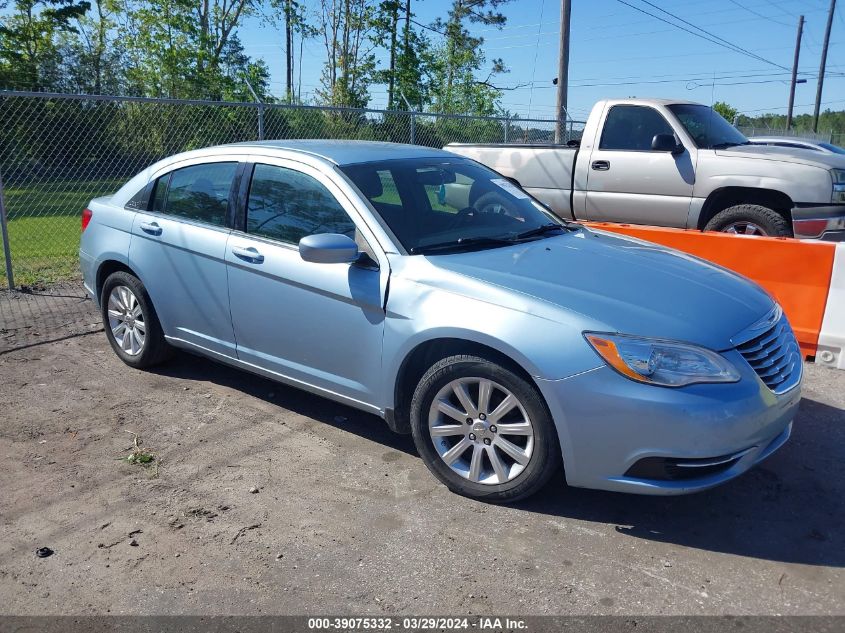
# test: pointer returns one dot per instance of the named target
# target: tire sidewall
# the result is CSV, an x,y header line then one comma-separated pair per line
x,y
153,332
769,220
545,456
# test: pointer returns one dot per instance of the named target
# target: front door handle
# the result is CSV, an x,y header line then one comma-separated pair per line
x,y
248,253
601,165
150,227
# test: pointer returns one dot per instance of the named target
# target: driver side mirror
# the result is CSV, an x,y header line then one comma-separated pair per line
x,y
328,248
666,143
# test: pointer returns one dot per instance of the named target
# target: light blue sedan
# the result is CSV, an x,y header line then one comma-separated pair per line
x,y
424,288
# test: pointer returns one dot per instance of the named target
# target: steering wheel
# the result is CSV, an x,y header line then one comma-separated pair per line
x,y
462,217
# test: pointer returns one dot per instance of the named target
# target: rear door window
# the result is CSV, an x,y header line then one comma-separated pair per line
x,y
199,192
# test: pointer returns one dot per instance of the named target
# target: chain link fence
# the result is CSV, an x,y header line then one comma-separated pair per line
x,y
59,151
836,138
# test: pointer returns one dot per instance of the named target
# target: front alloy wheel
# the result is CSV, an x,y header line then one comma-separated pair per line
x,y
483,429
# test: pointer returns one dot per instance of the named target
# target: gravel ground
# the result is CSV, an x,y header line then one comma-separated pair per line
x,y
272,501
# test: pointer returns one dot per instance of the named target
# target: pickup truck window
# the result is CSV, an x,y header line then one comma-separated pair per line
x,y
632,127
706,126
437,205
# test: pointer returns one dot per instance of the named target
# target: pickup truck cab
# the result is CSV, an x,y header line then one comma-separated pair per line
x,y
678,164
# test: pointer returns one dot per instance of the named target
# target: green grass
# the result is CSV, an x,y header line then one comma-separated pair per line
x,y
44,227
44,249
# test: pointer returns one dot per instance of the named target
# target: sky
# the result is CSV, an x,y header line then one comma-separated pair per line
x,y
617,51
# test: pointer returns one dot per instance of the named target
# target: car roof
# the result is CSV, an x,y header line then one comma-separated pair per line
x,y
347,152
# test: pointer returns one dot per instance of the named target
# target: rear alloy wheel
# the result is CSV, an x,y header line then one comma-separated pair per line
x,y
131,323
750,219
126,320
483,430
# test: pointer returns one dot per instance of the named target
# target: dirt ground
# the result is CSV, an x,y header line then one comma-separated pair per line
x,y
345,519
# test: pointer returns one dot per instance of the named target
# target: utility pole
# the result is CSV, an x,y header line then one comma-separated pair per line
x,y
794,72
563,70
822,65
289,49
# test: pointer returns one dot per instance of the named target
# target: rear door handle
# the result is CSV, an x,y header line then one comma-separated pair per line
x,y
248,253
601,165
150,227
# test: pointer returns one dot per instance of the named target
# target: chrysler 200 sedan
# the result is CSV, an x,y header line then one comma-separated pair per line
x,y
424,288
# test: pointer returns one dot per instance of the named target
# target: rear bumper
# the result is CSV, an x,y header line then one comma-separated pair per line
x,y
87,266
819,222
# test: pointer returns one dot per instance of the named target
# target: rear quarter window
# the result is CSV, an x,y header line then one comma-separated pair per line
x,y
141,200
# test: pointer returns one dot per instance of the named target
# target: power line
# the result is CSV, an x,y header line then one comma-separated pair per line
x,y
704,34
760,15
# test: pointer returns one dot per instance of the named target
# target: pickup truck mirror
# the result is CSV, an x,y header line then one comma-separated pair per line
x,y
666,143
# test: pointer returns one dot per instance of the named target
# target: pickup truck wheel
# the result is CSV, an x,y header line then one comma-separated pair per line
x,y
750,219
483,430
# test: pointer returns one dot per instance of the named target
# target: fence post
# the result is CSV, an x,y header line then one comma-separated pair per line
x,y
7,250
260,105
413,128
507,127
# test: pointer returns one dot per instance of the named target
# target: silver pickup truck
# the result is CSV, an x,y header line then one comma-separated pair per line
x,y
677,164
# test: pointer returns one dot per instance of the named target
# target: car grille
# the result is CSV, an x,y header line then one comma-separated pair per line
x,y
775,356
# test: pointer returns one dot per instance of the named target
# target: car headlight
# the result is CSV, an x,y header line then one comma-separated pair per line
x,y
838,176
659,362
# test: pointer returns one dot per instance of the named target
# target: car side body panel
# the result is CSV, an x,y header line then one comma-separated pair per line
x,y
107,238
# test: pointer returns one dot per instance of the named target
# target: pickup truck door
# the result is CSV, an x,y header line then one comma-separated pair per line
x,y
627,181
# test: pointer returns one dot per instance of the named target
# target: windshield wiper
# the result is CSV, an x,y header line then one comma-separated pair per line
x,y
540,230
461,243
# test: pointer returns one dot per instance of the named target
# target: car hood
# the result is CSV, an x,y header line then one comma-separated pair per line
x,y
623,284
786,155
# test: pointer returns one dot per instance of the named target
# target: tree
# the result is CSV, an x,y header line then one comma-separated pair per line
x,y
456,63
92,57
727,112
28,55
347,27
292,16
187,48
407,73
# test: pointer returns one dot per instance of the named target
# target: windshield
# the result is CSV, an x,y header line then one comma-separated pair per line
x,y
832,148
434,205
706,126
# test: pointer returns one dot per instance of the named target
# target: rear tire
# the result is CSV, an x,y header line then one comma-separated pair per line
x,y
131,323
500,451
750,219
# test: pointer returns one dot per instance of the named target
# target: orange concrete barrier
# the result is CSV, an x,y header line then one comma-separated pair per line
x,y
796,272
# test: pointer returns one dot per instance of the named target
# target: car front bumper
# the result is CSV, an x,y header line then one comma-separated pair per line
x,y
819,222
617,434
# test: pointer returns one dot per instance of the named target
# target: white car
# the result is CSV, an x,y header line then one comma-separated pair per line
x,y
797,143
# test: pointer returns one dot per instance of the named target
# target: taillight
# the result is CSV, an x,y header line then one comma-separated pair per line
x,y
86,218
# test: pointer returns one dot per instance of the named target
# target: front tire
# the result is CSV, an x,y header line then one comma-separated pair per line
x,y
483,430
750,219
131,323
